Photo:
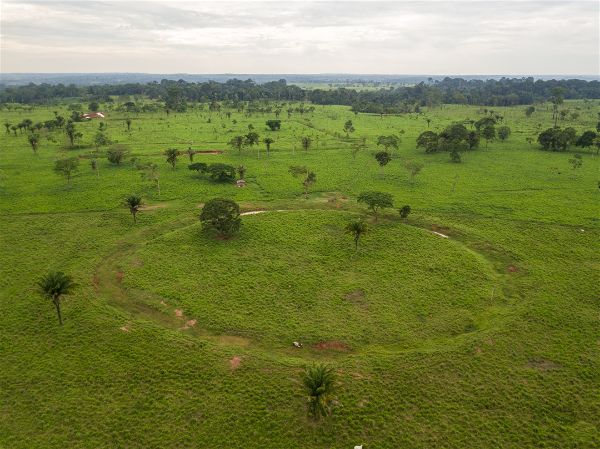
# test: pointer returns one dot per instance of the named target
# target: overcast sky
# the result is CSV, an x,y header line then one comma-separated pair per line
x,y
422,37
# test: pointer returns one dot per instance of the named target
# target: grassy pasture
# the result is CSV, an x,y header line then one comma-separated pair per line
x,y
488,338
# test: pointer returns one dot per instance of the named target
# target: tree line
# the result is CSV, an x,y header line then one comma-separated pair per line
x,y
502,92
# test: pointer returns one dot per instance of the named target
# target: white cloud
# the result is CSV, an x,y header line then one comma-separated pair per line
x,y
445,37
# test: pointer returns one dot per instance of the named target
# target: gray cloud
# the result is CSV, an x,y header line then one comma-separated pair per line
x,y
484,37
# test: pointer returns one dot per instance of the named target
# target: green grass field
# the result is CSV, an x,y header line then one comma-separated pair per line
x,y
486,339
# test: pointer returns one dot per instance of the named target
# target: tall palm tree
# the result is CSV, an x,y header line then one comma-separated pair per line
x,y
268,141
357,229
319,382
53,286
134,203
172,154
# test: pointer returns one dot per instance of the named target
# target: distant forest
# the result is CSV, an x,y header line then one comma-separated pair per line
x,y
501,92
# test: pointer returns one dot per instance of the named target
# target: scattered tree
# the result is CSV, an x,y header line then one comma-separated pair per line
x,y
150,173
388,142
54,286
268,142
576,162
241,171
237,143
306,142
356,228
222,216
133,203
199,167
376,201
503,133
190,154
274,125
94,165
319,383
66,167
221,172
72,132
413,168
34,141
383,158
348,127
116,154
172,154
488,132
308,177
428,140
101,139
586,139
404,211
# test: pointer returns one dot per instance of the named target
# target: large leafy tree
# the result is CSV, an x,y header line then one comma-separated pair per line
x,y
319,384
116,154
586,139
134,204
221,172
237,143
503,133
66,167
274,125
54,286
428,140
383,158
488,132
357,229
221,215
390,142
376,201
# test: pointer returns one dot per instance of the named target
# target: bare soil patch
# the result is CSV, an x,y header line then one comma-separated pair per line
x,y
120,276
96,282
333,345
543,365
234,363
179,313
512,269
232,340
440,230
153,207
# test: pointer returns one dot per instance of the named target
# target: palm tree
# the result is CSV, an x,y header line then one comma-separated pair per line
x,y
310,179
268,141
319,382
172,154
54,285
241,171
357,229
34,140
134,203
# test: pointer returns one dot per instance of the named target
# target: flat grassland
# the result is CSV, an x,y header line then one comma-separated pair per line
x,y
487,338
